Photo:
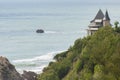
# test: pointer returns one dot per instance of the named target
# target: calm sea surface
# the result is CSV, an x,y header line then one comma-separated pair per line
x,y
63,22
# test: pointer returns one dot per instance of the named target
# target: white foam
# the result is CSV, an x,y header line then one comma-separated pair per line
x,y
52,32
46,57
35,69
38,67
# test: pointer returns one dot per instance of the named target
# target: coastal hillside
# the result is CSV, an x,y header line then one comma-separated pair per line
x,y
94,57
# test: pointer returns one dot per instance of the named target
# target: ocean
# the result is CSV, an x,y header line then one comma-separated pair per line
x,y
63,22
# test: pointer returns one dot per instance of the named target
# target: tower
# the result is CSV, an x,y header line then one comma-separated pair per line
x,y
106,19
99,21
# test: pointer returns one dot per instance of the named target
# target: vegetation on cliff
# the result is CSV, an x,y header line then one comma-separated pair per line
x,y
94,57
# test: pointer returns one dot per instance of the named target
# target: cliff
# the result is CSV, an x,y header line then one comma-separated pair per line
x,y
94,57
8,71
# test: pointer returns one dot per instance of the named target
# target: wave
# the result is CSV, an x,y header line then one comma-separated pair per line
x,y
35,69
46,57
50,32
29,15
35,64
68,32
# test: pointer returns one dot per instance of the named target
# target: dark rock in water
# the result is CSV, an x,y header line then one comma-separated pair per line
x,y
29,75
40,31
8,71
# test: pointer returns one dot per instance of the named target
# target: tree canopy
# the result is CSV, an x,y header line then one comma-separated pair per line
x,y
94,57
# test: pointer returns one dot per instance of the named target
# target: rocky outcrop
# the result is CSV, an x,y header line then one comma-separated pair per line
x,y
8,71
39,31
29,75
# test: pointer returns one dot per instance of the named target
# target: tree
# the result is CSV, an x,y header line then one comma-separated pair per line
x,y
116,24
117,28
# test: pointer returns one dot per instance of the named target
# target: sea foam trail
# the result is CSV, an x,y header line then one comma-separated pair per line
x,y
50,32
35,64
46,57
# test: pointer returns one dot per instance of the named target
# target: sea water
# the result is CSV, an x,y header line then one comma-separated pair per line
x,y
62,21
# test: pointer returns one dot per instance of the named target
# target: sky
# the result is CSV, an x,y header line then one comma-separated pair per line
x,y
18,4
61,1
9,3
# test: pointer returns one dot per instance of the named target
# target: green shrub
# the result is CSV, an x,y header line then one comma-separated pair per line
x,y
94,57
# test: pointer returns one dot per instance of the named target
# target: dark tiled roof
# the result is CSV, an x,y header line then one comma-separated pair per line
x,y
98,20
99,15
106,16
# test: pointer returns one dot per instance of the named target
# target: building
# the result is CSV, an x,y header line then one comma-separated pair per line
x,y
99,21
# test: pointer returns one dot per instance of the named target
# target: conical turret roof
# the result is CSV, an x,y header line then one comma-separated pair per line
x,y
106,16
99,15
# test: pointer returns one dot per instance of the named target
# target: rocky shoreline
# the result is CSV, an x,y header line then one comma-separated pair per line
x,y
8,72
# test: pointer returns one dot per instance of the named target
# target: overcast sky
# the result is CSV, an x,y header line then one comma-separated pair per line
x,y
59,1
12,2
9,4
